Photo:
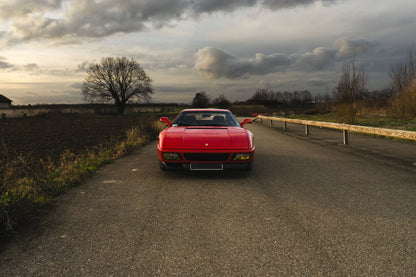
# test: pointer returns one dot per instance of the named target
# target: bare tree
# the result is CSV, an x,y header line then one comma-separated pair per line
x,y
119,80
323,102
403,105
402,75
306,96
221,102
261,97
403,86
351,87
201,100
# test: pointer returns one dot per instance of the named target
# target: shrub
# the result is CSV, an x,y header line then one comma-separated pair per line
x,y
403,105
201,100
350,88
221,102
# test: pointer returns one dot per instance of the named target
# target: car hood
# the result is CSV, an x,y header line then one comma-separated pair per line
x,y
206,138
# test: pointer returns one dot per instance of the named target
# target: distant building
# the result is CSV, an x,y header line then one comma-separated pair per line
x,y
5,103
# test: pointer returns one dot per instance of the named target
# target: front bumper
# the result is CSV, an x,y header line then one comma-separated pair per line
x,y
206,160
205,166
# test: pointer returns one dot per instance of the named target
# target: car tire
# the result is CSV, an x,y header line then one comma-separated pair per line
x,y
162,166
249,166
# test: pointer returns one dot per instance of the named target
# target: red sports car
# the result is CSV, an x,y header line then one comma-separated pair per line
x,y
205,139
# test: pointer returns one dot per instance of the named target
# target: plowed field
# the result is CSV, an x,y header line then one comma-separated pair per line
x,y
49,135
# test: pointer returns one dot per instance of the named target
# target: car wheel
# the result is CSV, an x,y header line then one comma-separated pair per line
x,y
162,166
249,166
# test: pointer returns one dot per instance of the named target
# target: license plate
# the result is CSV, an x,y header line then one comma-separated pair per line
x,y
206,166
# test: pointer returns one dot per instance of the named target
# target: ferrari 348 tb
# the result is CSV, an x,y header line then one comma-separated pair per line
x,y
205,139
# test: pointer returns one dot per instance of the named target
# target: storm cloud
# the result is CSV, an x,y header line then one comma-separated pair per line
x,y
21,8
272,44
31,67
351,48
318,59
281,4
4,64
55,19
83,67
217,63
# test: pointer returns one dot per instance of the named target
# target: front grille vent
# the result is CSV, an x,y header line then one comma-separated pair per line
x,y
206,157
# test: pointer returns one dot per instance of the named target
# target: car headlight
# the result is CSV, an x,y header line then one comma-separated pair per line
x,y
241,157
171,156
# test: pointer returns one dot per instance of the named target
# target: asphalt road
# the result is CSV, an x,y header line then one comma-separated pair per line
x,y
310,207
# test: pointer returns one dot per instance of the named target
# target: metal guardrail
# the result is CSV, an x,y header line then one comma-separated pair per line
x,y
344,127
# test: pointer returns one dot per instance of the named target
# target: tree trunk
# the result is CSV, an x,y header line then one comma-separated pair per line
x,y
120,107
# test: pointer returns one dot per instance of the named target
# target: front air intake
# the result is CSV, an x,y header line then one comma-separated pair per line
x,y
207,157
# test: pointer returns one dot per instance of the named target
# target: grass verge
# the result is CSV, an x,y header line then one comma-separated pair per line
x,y
27,184
364,120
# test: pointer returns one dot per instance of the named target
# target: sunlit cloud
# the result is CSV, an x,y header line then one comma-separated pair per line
x,y
318,59
30,20
217,63
223,47
352,48
21,8
30,67
281,4
83,67
4,64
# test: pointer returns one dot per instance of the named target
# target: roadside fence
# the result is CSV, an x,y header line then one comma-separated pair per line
x,y
410,135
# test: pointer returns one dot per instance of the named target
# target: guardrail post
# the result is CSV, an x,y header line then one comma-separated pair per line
x,y
345,135
271,123
410,135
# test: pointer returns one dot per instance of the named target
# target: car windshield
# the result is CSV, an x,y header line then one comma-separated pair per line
x,y
206,118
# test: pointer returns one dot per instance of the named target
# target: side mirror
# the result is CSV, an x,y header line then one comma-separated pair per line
x,y
166,120
247,120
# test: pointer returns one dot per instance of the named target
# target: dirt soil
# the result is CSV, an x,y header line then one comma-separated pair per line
x,y
49,135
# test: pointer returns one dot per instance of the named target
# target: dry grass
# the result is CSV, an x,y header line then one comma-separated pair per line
x,y
26,184
347,112
404,104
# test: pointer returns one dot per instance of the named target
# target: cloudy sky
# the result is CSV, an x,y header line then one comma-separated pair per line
x,y
227,47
